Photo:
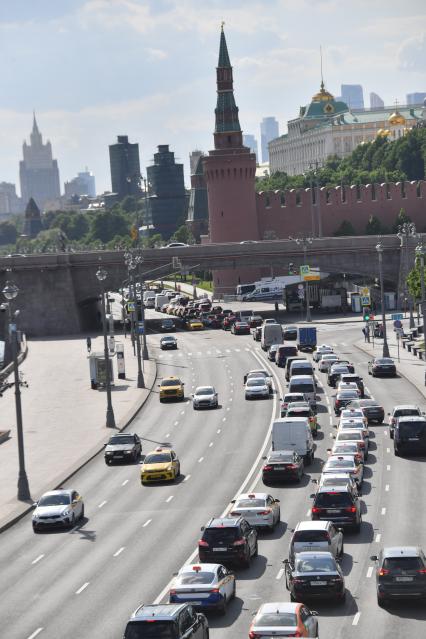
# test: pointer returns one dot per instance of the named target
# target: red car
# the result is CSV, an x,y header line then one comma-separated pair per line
x,y
240,328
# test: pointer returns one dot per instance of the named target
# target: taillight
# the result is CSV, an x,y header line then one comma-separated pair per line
x,y
362,444
383,571
239,542
215,590
297,634
422,571
351,509
172,592
337,402
265,512
253,635
234,513
315,509
203,543
293,466
267,468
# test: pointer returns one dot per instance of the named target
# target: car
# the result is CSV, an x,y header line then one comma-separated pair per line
x,y
57,509
380,366
167,324
259,509
351,412
314,575
123,447
353,377
171,388
326,361
168,342
335,480
240,328
289,362
342,386
353,435
204,586
282,465
290,333
323,349
290,398
257,333
345,463
231,539
313,536
334,371
283,352
228,322
372,410
402,410
303,409
343,398
205,397
256,387
400,574
339,504
171,621
255,321
356,424
284,619
410,436
260,372
161,464
272,351
270,320
348,448
195,325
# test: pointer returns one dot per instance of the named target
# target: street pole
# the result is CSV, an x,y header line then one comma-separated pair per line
x,y
131,263
145,354
305,242
101,274
421,255
405,231
379,249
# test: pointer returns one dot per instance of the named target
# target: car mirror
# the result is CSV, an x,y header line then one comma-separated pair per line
x,y
314,613
312,495
233,501
374,557
277,501
35,504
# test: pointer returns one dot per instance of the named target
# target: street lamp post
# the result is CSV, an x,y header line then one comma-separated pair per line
x,y
379,249
145,355
131,264
420,253
10,291
405,231
305,242
102,274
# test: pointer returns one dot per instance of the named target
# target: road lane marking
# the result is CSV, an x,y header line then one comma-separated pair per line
x,y
308,513
35,633
169,499
119,551
211,444
176,423
237,350
189,354
228,408
369,572
388,450
148,521
209,352
280,573
182,412
200,460
378,538
218,431
331,420
37,559
187,477
126,481
224,419
387,488
230,399
83,587
228,350
102,504
356,619
388,467
167,436
383,512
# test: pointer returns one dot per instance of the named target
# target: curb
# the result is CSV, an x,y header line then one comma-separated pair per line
x,y
85,459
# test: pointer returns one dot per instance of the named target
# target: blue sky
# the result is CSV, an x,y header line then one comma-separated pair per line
x,y
95,69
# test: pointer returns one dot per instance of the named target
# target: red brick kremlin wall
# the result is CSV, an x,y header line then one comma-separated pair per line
x,y
291,212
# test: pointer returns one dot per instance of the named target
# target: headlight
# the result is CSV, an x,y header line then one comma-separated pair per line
x,y
66,513
35,516
128,452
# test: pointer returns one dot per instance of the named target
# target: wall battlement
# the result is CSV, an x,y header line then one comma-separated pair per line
x,y
288,212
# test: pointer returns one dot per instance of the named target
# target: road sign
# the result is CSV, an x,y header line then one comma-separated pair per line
x,y
365,291
365,300
397,323
141,328
313,277
396,316
304,269
131,307
399,332
300,287
301,294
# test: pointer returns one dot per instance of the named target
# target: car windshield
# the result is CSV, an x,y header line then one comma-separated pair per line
x,y
168,339
195,577
347,437
204,391
300,387
292,398
256,381
401,564
151,629
55,500
333,500
383,360
170,382
282,458
158,458
345,448
316,564
347,394
367,403
227,535
406,412
335,481
310,535
412,429
121,440
339,463
250,503
276,619
298,412
350,414
287,350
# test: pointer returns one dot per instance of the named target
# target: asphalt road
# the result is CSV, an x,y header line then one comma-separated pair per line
x,y
84,583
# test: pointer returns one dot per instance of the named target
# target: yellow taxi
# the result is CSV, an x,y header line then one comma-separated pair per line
x,y
195,325
171,388
161,464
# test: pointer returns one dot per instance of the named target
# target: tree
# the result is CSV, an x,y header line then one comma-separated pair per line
x,y
8,233
400,219
129,204
105,225
345,228
375,227
183,234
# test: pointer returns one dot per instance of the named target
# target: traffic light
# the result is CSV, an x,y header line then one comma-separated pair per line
x,y
290,268
366,313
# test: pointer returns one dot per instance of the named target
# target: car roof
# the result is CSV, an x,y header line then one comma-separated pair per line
x,y
302,378
312,525
160,449
334,489
280,454
59,491
203,568
123,435
405,406
171,377
309,554
159,611
401,551
204,388
278,607
410,418
252,496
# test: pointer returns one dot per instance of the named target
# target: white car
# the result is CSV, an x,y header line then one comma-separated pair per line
x,y
323,349
353,413
284,619
348,448
209,586
259,509
58,509
256,387
345,463
355,423
326,361
205,397
344,386
260,373
335,479
354,435
270,320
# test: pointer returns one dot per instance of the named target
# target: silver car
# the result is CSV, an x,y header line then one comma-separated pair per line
x,y
318,535
58,509
256,387
259,509
345,463
205,397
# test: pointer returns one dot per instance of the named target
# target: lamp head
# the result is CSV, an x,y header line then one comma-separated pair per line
x,y
101,274
10,290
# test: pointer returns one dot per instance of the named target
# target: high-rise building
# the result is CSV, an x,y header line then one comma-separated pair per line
x,y
167,195
352,95
10,203
250,141
38,171
416,98
198,208
269,130
125,167
83,184
376,101
193,160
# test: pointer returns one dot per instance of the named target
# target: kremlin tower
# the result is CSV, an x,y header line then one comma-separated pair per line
x,y
229,171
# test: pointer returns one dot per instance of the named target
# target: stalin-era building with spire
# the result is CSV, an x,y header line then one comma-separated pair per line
x,y
38,171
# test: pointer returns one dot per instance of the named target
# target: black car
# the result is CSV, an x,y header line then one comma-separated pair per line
x,y
123,447
339,504
400,574
290,333
282,465
382,366
342,399
228,540
169,341
171,621
240,328
283,353
314,575
334,373
167,325
371,409
410,436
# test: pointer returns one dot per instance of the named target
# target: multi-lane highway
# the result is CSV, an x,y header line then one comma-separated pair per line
x,y
85,582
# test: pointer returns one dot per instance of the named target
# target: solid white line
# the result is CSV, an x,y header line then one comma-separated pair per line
x,y
218,431
83,587
387,488
383,512
378,538
126,481
200,460
35,633
388,467
119,551
331,420
209,352
102,504
37,559
280,573
369,572
187,477
356,619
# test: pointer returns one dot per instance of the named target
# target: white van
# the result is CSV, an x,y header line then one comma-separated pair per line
x,y
304,384
160,300
150,301
301,367
293,433
271,334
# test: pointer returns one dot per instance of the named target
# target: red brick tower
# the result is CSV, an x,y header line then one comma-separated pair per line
x,y
230,171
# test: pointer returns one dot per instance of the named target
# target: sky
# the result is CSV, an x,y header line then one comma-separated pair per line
x,y
95,69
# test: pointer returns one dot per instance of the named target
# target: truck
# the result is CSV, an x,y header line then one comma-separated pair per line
x,y
293,433
307,338
331,302
160,300
271,334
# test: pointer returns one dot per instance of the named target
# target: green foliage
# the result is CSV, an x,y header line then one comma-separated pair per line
x,y
413,280
375,227
400,219
106,225
8,233
75,226
345,228
183,234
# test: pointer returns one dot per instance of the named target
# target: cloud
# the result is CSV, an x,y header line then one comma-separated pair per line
x,y
156,54
412,54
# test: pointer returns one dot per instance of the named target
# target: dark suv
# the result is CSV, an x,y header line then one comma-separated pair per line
x,y
167,621
339,504
123,447
401,574
410,435
228,540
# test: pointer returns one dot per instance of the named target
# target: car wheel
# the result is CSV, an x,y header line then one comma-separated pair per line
x,y
391,434
342,551
82,513
108,462
222,608
72,522
357,526
234,591
343,597
292,597
256,550
35,530
381,602
396,451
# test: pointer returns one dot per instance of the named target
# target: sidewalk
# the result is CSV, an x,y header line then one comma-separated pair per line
x,y
411,367
63,418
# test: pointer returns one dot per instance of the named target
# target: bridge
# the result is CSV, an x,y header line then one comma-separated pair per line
x,y
59,292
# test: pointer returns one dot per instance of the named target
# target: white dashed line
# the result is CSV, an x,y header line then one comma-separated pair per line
x,y
200,460
167,436
356,619
388,467
189,354
83,587
169,499
102,504
237,350
383,511
387,488
331,420
211,444
378,538
388,450
228,350
187,477
218,431
119,551
224,419
37,559
176,423
148,521
35,633
280,573
228,408
230,399
369,572
126,481
209,352
182,412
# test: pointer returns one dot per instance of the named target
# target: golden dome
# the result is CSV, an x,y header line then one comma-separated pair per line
x,y
322,95
396,118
